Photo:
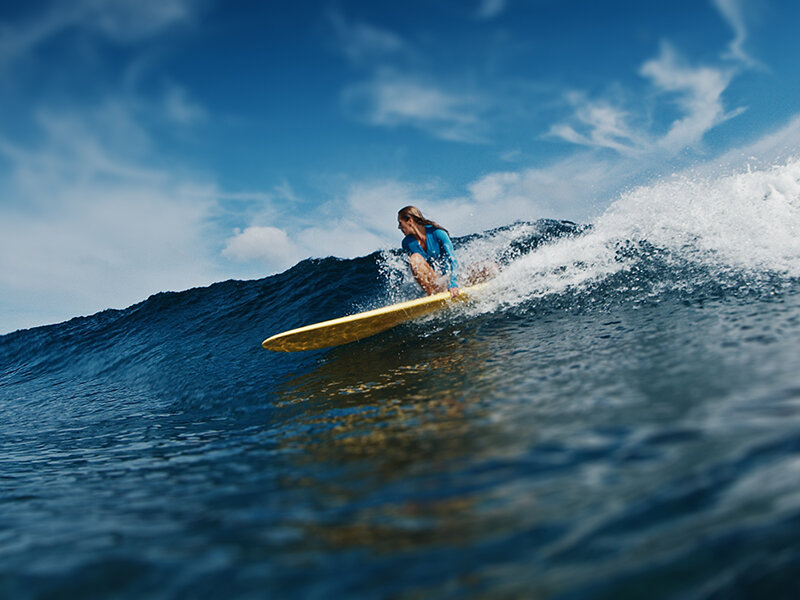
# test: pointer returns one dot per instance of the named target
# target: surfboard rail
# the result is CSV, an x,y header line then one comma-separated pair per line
x,y
351,328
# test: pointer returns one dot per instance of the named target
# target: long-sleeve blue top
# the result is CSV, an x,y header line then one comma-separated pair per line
x,y
440,253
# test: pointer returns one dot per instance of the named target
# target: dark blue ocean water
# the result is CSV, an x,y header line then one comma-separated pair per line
x,y
619,417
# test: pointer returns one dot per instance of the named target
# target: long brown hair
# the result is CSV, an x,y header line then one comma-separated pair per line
x,y
412,212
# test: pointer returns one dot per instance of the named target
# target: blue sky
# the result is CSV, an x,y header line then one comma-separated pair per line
x,y
159,145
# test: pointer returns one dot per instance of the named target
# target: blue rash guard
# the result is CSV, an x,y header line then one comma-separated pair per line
x,y
440,251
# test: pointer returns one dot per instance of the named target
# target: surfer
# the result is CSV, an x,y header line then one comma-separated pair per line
x,y
430,252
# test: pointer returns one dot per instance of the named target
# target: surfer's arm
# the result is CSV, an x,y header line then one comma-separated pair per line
x,y
409,244
452,263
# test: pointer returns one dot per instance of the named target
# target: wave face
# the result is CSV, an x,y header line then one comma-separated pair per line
x,y
619,412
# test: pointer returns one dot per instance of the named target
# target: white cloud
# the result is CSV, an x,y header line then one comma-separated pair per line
x,y
105,241
568,189
103,245
606,127
374,205
732,12
344,238
361,221
268,245
87,226
699,92
133,20
391,99
489,9
124,21
180,108
696,91
397,91
362,42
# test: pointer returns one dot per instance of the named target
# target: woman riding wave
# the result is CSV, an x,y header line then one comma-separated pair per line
x,y
431,254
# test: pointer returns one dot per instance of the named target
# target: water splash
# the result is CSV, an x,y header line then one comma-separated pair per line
x,y
685,232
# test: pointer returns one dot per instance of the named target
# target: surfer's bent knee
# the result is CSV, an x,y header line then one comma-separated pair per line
x,y
425,275
417,260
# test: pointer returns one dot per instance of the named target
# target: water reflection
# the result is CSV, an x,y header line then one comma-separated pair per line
x,y
545,449
386,396
385,429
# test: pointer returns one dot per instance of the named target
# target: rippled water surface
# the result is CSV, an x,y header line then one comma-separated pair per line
x,y
619,418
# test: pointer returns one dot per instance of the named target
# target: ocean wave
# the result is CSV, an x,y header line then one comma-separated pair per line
x,y
693,238
686,236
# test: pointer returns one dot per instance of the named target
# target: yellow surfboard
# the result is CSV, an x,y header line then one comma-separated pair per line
x,y
361,325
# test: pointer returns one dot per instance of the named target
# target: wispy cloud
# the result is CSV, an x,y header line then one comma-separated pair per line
x,y
123,21
603,126
392,99
699,93
87,225
268,245
362,43
397,89
489,9
180,108
696,91
571,188
733,12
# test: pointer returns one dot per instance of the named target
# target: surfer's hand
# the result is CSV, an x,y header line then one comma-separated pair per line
x,y
453,292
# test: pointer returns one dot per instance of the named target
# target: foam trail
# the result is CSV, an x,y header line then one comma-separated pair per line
x,y
742,222
747,220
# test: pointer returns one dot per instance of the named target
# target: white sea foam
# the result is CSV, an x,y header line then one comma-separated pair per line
x,y
744,222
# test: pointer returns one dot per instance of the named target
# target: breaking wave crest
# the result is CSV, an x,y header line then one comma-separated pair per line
x,y
686,235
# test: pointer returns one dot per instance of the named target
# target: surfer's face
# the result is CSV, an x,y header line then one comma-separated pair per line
x,y
404,226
